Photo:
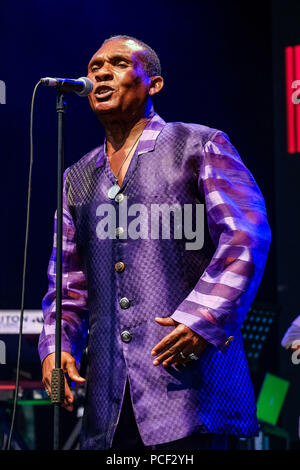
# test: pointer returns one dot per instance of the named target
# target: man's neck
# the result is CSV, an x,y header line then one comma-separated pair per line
x,y
121,133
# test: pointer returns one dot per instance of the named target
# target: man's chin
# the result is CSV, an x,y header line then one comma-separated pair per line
x,y
102,108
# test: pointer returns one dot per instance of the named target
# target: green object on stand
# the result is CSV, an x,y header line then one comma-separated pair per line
x,y
269,406
271,398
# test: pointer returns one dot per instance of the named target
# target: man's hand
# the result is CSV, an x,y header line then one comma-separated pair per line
x,y
69,366
181,339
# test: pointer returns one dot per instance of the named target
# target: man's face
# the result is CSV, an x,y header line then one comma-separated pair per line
x,y
121,85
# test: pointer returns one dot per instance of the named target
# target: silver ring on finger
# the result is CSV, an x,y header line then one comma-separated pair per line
x,y
193,357
182,355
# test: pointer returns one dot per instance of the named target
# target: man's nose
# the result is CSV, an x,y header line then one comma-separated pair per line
x,y
104,74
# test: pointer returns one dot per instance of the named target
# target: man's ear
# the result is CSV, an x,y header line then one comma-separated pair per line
x,y
156,85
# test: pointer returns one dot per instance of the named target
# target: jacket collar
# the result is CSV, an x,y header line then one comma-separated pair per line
x,y
147,140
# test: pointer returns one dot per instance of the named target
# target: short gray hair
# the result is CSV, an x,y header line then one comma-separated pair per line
x,y
150,60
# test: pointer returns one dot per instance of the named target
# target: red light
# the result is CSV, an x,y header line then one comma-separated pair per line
x,y
297,107
292,73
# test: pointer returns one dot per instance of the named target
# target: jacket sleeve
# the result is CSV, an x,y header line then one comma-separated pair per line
x,y
74,294
238,226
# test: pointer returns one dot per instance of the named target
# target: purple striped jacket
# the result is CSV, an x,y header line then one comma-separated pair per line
x,y
210,289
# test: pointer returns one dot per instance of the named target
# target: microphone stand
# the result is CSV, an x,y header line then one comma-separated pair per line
x,y
58,377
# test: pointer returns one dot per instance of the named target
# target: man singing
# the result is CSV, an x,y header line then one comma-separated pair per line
x,y
166,365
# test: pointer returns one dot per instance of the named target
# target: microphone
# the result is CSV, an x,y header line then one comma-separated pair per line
x,y
82,86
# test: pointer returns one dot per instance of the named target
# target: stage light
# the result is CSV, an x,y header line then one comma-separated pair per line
x,y
292,76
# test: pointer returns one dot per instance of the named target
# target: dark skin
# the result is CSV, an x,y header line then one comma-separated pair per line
x,y
123,110
121,99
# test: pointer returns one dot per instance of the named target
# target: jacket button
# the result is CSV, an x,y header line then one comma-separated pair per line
x,y
119,267
119,231
231,338
126,336
119,197
124,302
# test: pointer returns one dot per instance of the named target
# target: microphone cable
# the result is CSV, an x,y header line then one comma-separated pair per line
x,y
24,272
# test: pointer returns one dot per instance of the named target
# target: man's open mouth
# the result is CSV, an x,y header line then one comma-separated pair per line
x,y
103,92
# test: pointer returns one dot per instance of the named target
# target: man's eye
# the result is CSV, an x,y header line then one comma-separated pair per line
x,y
94,69
122,64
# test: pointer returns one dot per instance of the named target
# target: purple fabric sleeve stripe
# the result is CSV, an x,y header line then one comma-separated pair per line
x,y
74,294
238,226
220,290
